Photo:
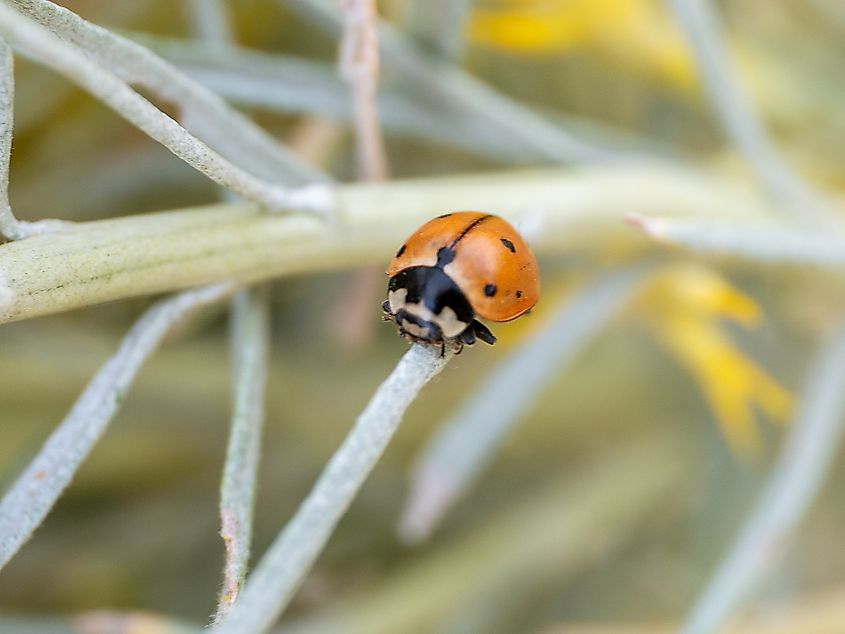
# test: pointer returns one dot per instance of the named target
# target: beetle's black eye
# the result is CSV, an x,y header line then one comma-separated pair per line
x,y
490,290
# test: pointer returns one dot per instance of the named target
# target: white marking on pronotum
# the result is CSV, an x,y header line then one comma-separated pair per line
x,y
448,321
396,299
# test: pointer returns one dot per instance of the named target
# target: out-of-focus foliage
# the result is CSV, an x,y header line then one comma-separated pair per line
x,y
615,497
635,34
683,306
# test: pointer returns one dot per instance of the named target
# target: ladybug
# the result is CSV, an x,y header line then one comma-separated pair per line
x,y
456,267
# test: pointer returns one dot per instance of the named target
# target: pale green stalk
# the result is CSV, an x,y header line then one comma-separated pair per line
x,y
33,494
406,62
700,20
205,114
439,24
250,352
513,554
63,57
11,227
210,22
283,83
807,457
290,557
557,211
764,243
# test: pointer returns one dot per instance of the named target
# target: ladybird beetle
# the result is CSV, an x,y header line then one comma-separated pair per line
x,y
456,267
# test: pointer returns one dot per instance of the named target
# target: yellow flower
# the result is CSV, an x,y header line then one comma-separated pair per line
x,y
683,305
636,33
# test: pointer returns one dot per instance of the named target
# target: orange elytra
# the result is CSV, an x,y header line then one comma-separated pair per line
x,y
456,267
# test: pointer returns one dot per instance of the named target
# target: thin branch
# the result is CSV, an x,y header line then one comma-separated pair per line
x,y
210,22
761,242
205,114
359,66
701,23
464,445
283,83
284,566
409,64
544,539
250,342
8,223
11,227
806,459
250,350
288,84
153,253
100,81
439,25
34,493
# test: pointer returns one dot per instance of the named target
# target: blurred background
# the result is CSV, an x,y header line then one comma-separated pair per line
x,y
611,503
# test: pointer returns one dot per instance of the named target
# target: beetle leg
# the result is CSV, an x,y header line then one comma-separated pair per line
x,y
482,332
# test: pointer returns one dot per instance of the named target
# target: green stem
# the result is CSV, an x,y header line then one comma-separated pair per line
x,y
556,210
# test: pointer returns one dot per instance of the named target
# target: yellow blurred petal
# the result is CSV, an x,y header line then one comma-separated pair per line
x,y
736,420
776,401
731,382
696,290
633,33
521,33
653,42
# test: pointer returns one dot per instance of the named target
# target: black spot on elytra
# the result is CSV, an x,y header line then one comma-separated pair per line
x,y
508,245
443,216
519,294
401,251
490,290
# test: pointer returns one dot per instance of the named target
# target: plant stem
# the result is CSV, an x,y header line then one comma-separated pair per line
x,y
284,566
56,53
26,504
700,20
250,351
11,227
807,457
154,253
